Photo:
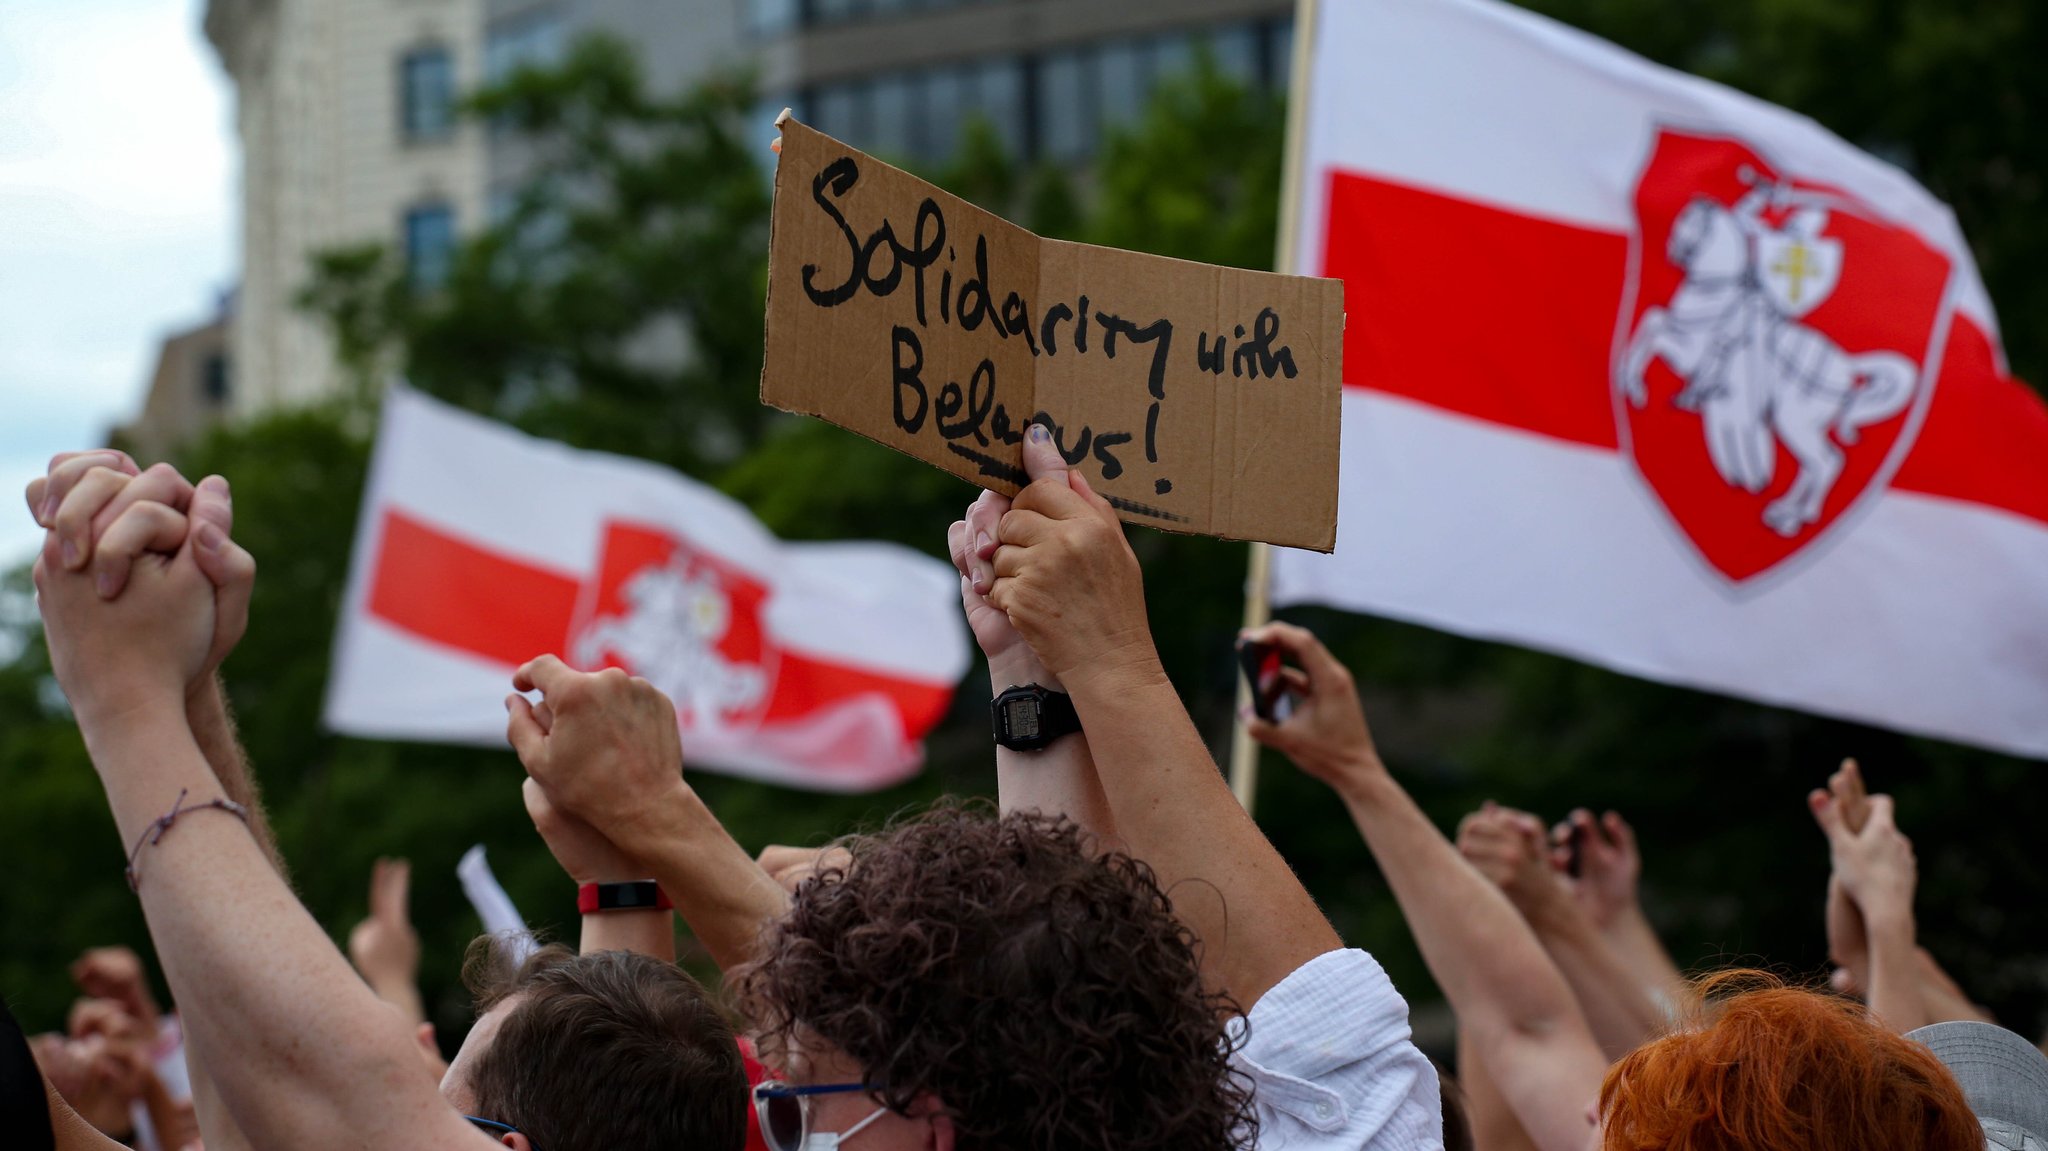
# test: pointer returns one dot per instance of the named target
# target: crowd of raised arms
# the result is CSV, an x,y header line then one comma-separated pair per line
x,y
1115,958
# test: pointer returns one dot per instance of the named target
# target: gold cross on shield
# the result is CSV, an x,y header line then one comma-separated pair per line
x,y
1796,265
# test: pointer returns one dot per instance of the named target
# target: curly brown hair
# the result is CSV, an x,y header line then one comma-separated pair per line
x,y
1045,995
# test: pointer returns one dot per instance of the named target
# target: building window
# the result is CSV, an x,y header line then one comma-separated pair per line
x,y
534,39
429,245
841,110
1122,82
427,93
996,94
1279,52
898,103
1066,122
1235,49
213,379
773,17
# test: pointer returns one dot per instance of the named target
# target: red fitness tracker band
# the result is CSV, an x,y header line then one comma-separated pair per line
x,y
638,895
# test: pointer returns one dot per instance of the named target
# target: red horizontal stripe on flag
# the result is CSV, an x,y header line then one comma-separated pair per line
x,y
447,591
1986,436
1502,317
804,683
1510,319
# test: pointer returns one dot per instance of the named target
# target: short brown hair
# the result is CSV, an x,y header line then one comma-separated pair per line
x,y
606,1052
1777,1068
1046,996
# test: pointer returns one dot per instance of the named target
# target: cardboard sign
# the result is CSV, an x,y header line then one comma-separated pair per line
x,y
1195,398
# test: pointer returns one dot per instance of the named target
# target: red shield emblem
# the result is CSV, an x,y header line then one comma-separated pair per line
x,y
686,621
1774,354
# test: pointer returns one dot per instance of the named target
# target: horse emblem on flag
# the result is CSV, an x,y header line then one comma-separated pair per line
x,y
686,622
1775,353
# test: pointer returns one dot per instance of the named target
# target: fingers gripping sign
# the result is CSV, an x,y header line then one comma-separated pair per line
x,y
1066,577
603,745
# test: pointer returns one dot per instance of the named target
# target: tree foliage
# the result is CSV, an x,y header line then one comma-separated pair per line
x,y
643,234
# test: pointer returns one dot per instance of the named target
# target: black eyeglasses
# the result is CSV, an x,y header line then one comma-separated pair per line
x,y
784,1110
493,1127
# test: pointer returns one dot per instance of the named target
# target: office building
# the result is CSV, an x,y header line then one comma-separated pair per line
x,y
346,110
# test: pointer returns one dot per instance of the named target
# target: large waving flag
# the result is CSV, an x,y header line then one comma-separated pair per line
x,y
816,665
1651,373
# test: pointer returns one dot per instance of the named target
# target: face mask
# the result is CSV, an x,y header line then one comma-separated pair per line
x,y
830,1140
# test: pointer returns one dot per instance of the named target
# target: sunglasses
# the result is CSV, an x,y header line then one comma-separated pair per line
x,y
784,1110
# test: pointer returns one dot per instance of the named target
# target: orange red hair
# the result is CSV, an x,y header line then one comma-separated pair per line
x,y
1778,1068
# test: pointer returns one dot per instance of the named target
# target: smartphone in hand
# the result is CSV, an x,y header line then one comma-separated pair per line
x,y
1259,663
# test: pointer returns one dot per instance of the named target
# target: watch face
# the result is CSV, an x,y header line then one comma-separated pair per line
x,y
1020,716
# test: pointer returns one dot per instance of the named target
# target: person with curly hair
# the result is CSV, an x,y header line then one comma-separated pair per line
x,y
999,984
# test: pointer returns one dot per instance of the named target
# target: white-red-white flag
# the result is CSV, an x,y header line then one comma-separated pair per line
x,y
1654,374
819,665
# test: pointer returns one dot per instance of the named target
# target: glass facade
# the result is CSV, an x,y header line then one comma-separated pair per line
x,y
1055,105
426,82
771,17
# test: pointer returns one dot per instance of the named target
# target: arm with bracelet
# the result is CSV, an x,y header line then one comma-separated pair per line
x,y
252,970
621,906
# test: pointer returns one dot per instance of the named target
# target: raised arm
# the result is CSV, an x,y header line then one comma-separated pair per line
x,y
609,755
588,857
1070,585
1510,849
1508,994
1059,778
1608,888
253,972
1875,870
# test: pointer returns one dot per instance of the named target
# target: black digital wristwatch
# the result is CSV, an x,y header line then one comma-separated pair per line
x,y
1030,717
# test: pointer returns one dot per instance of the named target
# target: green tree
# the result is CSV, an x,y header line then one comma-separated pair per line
x,y
618,302
647,226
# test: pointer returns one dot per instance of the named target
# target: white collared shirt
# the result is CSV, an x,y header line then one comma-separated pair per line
x,y
1330,1057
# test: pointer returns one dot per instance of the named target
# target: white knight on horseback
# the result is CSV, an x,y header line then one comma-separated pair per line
x,y
1753,371
669,635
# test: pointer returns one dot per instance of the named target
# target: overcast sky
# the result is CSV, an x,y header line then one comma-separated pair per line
x,y
117,218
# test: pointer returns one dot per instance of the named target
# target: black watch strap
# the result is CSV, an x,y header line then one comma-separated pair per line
x,y
1030,717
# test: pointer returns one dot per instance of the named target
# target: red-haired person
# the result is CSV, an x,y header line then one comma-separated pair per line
x,y
1776,1068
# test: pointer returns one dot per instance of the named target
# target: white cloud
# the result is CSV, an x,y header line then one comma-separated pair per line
x,y
117,192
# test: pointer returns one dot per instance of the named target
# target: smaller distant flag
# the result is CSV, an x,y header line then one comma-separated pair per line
x,y
813,665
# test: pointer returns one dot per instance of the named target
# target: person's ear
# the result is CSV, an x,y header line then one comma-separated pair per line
x,y
937,1119
516,1140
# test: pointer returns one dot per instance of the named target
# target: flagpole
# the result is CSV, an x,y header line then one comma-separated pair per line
x,y
1258,582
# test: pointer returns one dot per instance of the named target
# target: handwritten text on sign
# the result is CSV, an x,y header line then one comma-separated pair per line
x,y
1196,398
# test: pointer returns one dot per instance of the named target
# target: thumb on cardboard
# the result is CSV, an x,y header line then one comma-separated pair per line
x,y
1042,460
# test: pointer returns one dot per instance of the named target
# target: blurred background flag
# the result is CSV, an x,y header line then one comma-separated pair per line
x,y
818,665
1649,372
